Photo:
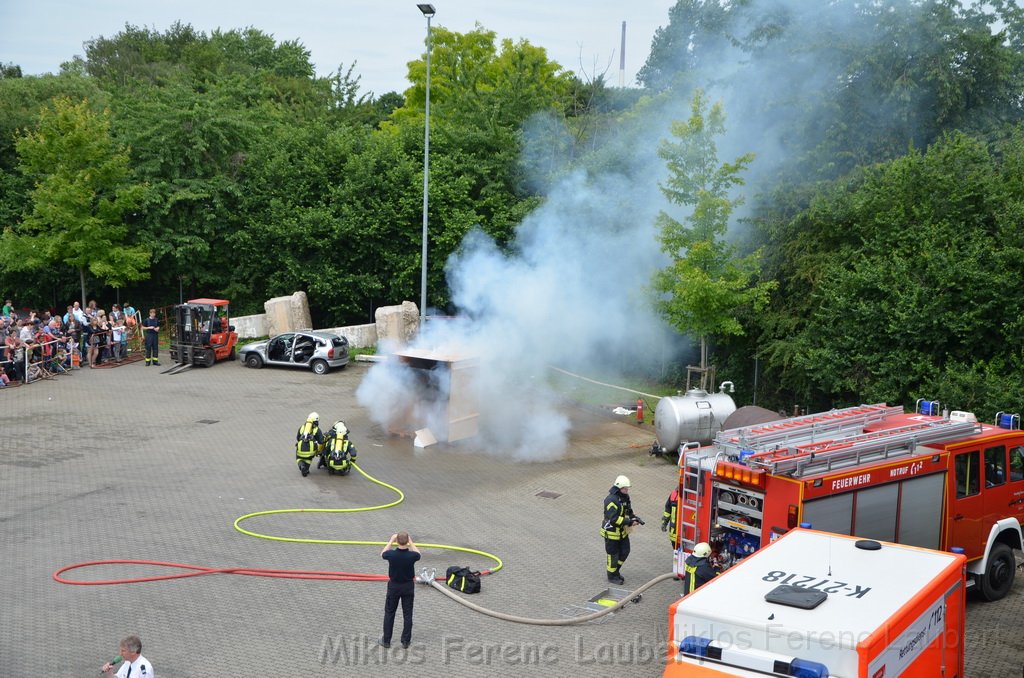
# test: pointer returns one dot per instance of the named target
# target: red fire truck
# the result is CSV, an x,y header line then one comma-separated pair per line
x,y
931,478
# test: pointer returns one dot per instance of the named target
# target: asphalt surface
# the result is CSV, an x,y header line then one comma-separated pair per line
x,y
129,463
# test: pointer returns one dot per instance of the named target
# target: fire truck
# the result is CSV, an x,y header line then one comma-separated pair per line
x,y
931,478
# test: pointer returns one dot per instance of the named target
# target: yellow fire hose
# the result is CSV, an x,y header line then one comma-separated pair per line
x,y
428,576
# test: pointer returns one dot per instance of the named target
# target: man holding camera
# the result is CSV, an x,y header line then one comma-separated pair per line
x,y
618,518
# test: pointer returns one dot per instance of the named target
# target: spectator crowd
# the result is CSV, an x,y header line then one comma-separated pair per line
x,y
40,345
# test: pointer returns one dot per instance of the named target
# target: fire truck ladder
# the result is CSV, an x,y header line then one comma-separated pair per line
x,y
822,456
831,425
693,460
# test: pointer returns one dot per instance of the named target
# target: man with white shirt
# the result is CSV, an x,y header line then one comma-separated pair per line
x,y
134,665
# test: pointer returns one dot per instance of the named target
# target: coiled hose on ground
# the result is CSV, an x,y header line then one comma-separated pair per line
x,y
427,576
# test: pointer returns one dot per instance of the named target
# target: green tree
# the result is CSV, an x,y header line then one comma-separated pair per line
x,y
704,289
899,283
81,196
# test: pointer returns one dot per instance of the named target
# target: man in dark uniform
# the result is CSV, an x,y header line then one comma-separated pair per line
x,y
151,328
697,570
401,585
618,518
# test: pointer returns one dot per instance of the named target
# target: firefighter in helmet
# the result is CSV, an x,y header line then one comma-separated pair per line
x,y
668,518
339,452
309,441
697,569
618,519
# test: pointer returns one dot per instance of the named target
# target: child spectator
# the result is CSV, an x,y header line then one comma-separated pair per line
x,y
74,357
116,338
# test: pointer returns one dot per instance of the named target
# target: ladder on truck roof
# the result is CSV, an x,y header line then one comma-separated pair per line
x,y
831,425
816,457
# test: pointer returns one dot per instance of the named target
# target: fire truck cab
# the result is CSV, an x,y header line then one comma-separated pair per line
x,y
930,478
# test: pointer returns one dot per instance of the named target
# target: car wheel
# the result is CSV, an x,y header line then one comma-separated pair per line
x,y
997,580
319,367
254,361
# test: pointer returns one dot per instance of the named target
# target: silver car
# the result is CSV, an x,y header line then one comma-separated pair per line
x,y
319,351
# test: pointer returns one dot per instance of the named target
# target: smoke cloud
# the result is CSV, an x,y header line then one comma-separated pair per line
x,y
571,292
571,289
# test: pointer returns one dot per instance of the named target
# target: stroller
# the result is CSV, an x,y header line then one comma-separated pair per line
x,y
339,453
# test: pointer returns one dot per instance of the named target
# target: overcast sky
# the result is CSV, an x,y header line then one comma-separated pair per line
x,y
380,35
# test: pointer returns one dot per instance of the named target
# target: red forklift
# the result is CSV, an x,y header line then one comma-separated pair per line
x,y
201,334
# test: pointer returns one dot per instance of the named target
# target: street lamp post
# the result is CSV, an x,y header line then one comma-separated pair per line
x,y
428,12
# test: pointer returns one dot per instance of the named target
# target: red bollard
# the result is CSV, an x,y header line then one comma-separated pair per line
x,y
639,411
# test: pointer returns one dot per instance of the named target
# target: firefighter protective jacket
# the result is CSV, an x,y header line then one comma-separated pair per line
x,y
696,573
618,515
309,440
668,518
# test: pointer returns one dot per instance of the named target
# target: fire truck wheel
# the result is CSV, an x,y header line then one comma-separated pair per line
x,y
998,577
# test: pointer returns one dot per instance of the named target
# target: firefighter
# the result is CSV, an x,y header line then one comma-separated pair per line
x,y
309,441
697,569
668,518
339,452
618,519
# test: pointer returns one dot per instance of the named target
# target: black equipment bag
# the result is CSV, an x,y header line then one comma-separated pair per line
x,y
463,579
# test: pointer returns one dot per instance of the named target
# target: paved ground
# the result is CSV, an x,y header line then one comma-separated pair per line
x,y
129,463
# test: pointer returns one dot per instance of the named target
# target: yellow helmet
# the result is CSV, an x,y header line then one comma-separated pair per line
x,y
340,429
702,550
313,416
621,482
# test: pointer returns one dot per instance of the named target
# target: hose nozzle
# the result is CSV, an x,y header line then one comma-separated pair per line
x,y
426,575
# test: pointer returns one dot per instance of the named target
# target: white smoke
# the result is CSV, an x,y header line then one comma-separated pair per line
x,y
571,289
571,293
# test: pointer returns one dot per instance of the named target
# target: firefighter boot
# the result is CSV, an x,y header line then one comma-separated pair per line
x,y
304,468
616,578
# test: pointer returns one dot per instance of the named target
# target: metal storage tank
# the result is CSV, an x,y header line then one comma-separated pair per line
x,y
695,416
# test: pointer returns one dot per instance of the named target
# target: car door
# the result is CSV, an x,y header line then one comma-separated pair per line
x,y
305,347
279,349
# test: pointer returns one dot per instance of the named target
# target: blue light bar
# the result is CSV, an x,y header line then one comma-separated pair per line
x,y
804,668
755,660
1008,421
695,646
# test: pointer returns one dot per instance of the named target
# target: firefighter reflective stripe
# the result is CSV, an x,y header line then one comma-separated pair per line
x,y
691,578
306,445
613,526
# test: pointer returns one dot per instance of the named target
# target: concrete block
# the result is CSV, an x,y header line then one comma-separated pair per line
x,y
359,336
250,326
286,314
397,324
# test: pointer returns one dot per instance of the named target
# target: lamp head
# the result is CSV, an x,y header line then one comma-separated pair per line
x,y
428,10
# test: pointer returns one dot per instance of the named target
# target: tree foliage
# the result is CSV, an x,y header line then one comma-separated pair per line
x,y
80,198
900,282
706,284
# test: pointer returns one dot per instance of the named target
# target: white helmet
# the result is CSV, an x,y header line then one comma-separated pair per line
x,y
621,482
313,416
340,429
702,550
